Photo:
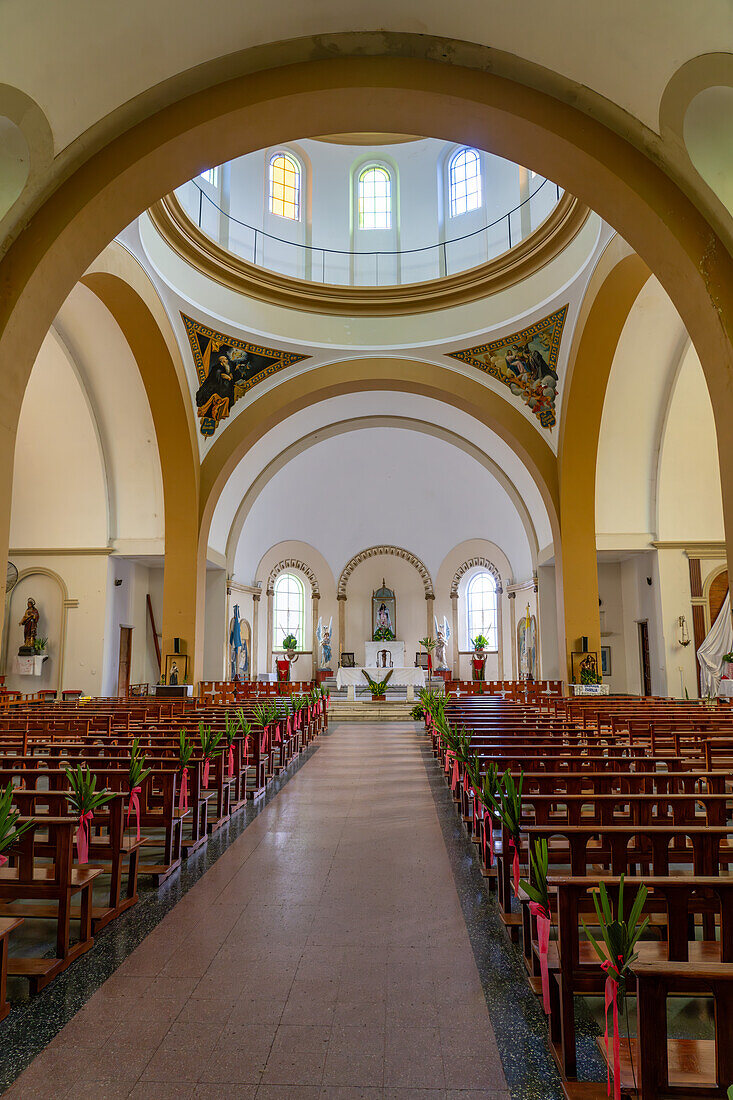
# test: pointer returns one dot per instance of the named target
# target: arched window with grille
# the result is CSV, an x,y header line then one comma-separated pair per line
x,y
288,612
284,186
375,198
481,603
464,182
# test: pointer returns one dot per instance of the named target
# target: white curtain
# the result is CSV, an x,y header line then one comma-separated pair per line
x,y
710,653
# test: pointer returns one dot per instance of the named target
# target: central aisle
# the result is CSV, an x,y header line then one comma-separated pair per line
x,y
325,949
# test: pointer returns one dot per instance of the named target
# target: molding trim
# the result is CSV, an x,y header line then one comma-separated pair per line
x,y
712,549
199,250
29,551
377,551
472,563
292,563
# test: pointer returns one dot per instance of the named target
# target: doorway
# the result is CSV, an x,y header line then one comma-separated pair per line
x,y
646,667
123,673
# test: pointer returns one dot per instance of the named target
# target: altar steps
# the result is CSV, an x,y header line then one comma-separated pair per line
x,y
391,710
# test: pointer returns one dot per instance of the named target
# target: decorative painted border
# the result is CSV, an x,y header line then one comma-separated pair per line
x,y
482,563
293,563
376,551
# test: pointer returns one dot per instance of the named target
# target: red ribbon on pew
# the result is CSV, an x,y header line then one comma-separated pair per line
x,y
455,777
183,794
490,820
206,772
3,860
82,836
263,739
278,736
134,802
515,866
543,939
231,761
611,997
248,738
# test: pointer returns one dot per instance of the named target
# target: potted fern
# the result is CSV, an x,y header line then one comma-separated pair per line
x,y
10,830
185,751
84,799
137,773
617,955
377,687
210,749
539,907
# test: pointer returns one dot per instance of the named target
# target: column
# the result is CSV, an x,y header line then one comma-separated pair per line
x,y
253,669
184,599
511,596
270,595
430,606
342,627
314,639
456,662
500,631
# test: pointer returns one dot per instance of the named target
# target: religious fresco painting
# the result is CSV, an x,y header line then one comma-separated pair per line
x,y
526,362
226,369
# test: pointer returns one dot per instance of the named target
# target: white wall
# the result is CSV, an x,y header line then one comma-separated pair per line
x,y
127,606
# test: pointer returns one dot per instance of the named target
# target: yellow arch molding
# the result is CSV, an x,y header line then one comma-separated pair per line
x,y
615,285
124,288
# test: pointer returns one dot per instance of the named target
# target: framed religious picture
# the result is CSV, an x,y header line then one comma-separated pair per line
x,y
584,667
176,669
605,660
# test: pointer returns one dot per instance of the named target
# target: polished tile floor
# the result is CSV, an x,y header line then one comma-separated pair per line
x,y
325,954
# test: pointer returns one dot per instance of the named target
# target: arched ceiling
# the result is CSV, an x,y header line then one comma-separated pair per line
x,y
382,485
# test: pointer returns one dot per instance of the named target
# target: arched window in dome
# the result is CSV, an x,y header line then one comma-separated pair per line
x,y
375,198
211,175
481,605
464,182
284,181
288,611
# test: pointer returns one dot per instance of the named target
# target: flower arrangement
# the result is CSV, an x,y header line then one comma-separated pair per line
x,y
479,642
290,642
10,831
728,658
383,634
377,687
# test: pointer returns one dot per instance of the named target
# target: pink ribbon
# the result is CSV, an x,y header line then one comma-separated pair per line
x,y
455,777
491,840
263,739
278,736
82,836
206,772
183,794
231,761
134,802
543,939
247,739
515,866
611,997
3,860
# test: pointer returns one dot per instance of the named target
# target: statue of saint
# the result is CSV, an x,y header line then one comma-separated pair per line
x,y
442,634
173,675
29,622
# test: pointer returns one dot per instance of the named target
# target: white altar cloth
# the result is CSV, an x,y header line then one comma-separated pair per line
x,y
351,678
725,689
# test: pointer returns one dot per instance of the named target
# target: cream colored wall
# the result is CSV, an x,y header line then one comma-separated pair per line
x,y
216,631
127,606
59,482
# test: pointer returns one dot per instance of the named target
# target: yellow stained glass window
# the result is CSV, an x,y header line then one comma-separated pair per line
x,y
285,187
375,199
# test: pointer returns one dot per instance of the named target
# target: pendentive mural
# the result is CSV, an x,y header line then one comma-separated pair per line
x,y
526,362
227,368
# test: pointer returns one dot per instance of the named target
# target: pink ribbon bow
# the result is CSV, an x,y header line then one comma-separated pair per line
x,y
515,866
611,997
231,761
247,741
207,764
543,938
183,793
134,803
3,860
263,740
455,776
488,817
82,836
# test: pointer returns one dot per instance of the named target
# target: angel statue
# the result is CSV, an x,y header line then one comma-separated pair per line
x,y
323,633
442,636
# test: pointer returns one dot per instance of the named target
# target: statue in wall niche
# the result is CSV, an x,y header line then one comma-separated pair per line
x,y
323,633
29,622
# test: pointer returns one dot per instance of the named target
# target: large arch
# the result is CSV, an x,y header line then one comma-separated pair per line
x,y
615,285
353,424
125,289
378,551
407,94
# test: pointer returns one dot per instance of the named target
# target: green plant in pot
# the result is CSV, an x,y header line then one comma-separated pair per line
x,y
508,806
10,830
377,687
479,643
40,645
290,644
84,799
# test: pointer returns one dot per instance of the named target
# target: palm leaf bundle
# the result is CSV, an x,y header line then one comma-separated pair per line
x,y
137,772
10,831
377,687
619,937
210,749
84,798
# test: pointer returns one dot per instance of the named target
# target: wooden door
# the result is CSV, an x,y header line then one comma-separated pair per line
x,y
646,666
123,674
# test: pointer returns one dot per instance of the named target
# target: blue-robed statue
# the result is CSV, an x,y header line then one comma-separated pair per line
x,y
235,644
323,633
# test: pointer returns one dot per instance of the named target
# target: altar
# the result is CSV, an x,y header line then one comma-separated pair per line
x,y
351,678
395,649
